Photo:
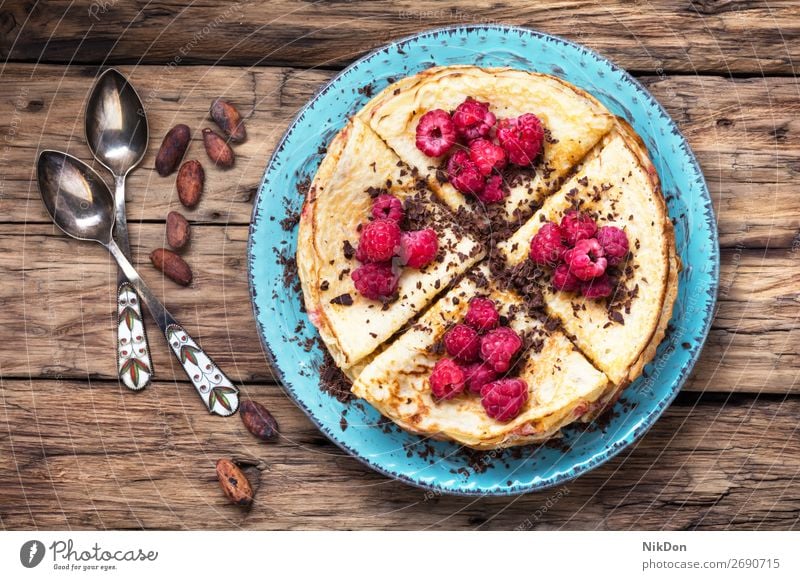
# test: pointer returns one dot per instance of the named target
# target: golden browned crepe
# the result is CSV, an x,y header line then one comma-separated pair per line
x,y
337,204
575,121
618,186
580,365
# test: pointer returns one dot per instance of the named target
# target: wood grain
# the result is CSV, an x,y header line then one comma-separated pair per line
x,y
57,301
744,132
749,36
146,460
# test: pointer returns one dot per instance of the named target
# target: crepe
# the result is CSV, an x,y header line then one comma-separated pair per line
x,y
574,120
618,185
338,203
562,383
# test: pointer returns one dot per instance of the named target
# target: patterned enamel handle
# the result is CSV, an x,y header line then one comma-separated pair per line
x,y
133,353
217,391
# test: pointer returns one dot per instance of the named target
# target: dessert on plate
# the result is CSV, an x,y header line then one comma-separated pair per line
x,y
487,255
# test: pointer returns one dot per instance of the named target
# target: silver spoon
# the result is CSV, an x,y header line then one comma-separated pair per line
x,y
116,131
80,203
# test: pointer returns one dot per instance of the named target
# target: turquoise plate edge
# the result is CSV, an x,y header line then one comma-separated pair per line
x,y
357,428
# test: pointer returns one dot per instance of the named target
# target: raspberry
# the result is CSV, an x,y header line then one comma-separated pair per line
x,y
599,287
494,190
576,226
547,246
464,174
473,119
481,314
380,240
487,156
615,244
436,133
522,138
586,259
375,280
565,280
462,343
418,248
477,375
499,346
447,379
504,399
387,206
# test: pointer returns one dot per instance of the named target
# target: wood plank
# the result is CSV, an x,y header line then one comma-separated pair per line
x,y
748,36
57,304
147,461
744,131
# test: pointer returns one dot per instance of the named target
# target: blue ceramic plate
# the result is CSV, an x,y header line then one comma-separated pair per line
x,y
287,334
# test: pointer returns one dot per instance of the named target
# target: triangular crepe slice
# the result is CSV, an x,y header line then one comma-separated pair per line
x,y
575,122
357,165
617,185
562,384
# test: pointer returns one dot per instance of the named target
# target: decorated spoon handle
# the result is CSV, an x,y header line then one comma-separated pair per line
x,y
134,366
133,351
217,391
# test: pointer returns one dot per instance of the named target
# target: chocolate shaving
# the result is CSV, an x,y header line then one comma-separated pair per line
x,y
343,300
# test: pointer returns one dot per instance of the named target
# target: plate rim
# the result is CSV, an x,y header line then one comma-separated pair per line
x,y
609,451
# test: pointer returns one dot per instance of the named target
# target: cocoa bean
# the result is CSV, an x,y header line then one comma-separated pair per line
x,y
234,482
172,149
227,117
258,420
178,230
189,183
172,265
218,149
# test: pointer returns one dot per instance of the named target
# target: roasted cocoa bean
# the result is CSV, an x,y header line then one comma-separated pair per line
x,y
218,149
234,483
258,420
178,230
189,183
172,265
172,149
227,117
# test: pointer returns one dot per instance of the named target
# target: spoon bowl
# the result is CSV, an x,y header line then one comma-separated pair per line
x,y
115,123
76,198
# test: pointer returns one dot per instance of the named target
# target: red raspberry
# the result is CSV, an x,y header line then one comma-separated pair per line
x,y
387,206
599,287
576,226
547,246
447,379
487,156
419,248
482,314
477,375
380,240
464,174
375,280
499,346
436,133
473,119
504,399
522,138
494,190
462,343
565,280
615,244
586,259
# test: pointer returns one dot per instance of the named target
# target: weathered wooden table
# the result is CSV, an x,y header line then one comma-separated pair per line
x,y
77,450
